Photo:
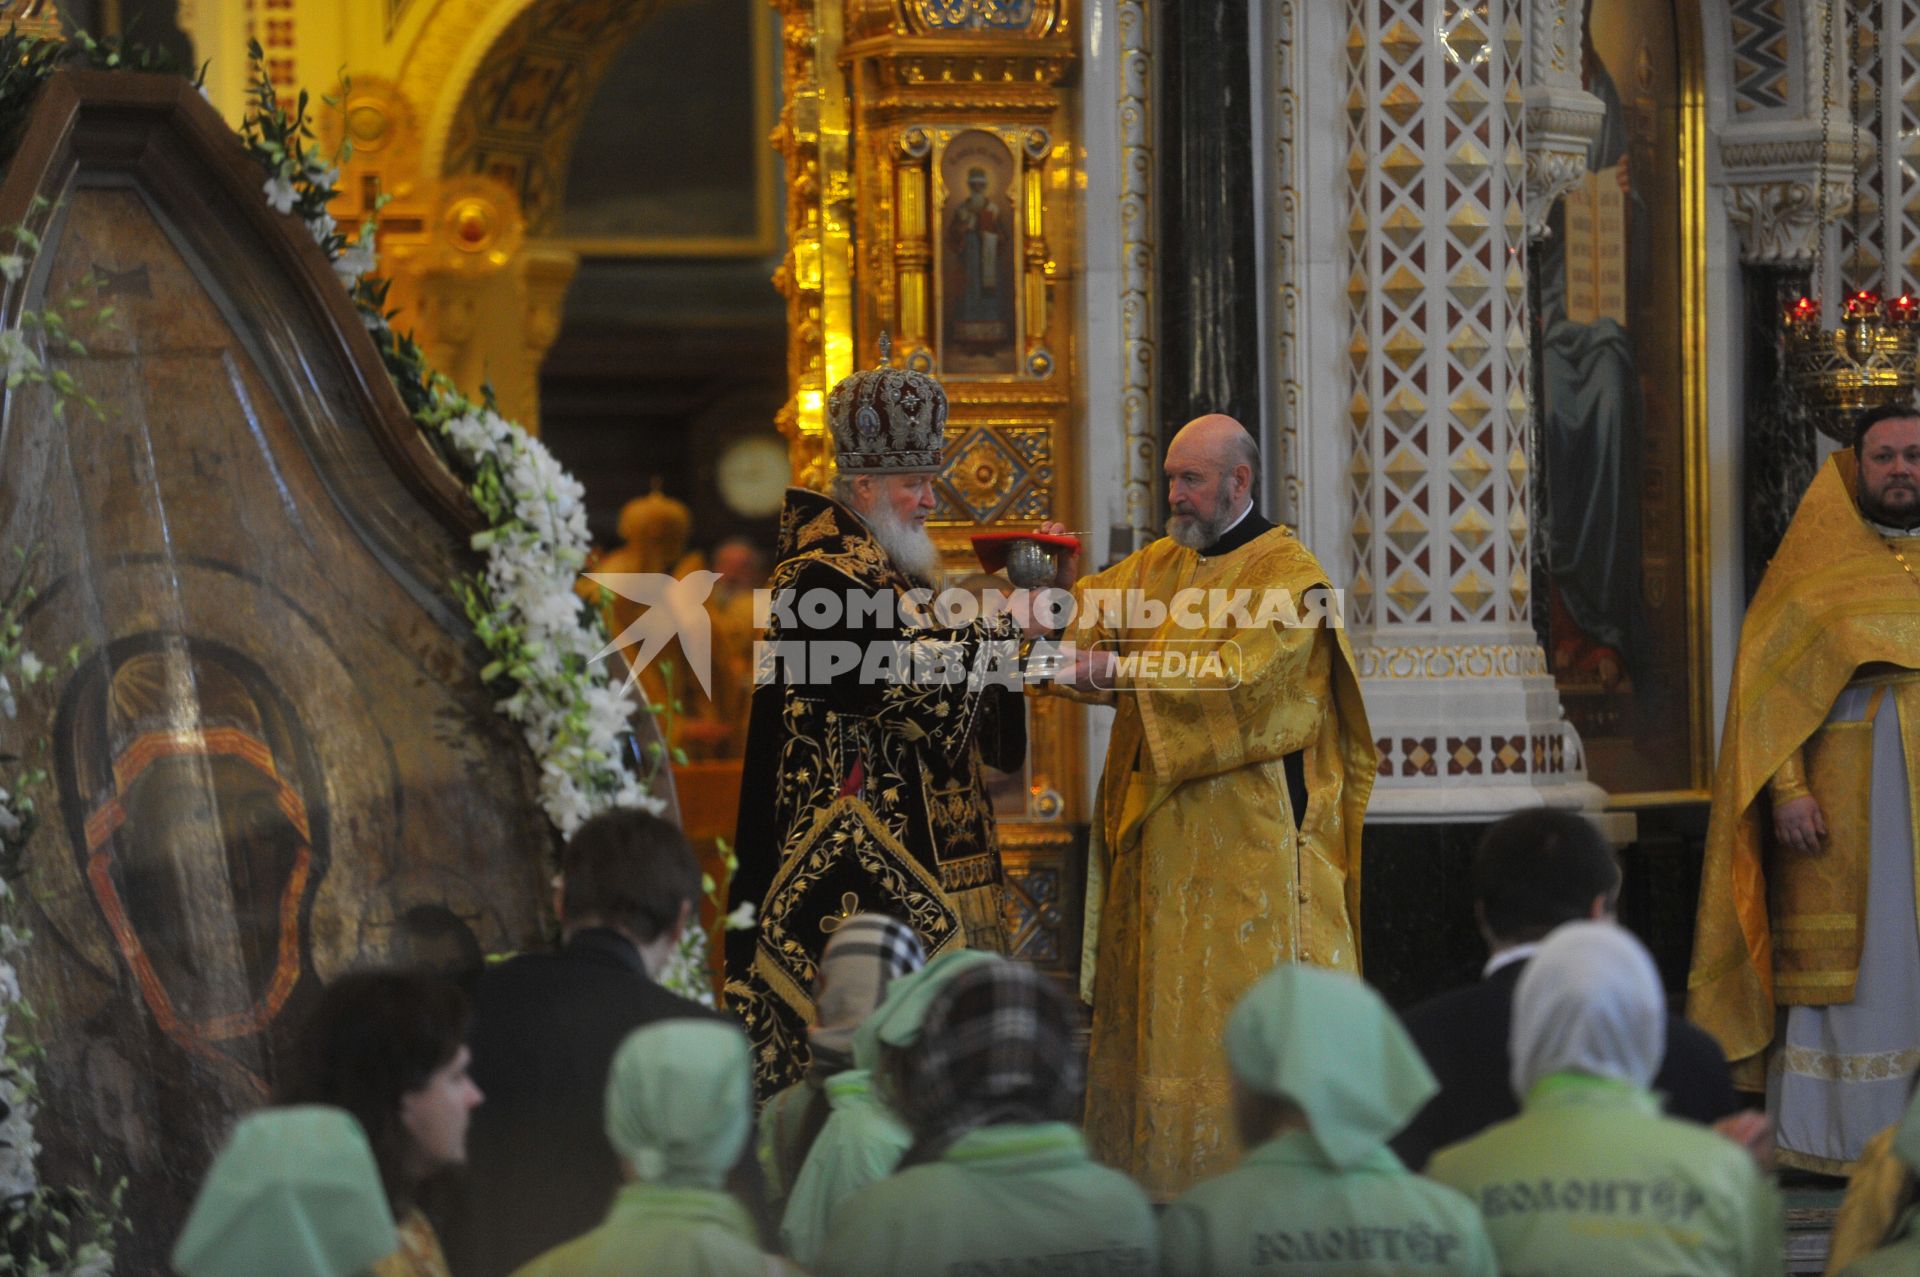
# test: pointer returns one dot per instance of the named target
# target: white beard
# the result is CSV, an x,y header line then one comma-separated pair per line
x,y
909,546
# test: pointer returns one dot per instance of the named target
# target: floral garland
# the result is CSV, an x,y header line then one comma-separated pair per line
x,y
544,639
49,1230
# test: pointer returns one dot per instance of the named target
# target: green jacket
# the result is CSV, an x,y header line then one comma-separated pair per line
x,y
1590,1178
1286,1208
666,1231
1025,1196
1900,1257
860,1144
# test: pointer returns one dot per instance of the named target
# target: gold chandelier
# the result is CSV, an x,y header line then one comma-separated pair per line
x,y
1867,361
1870,358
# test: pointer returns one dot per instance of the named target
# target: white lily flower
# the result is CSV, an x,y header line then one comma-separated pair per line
x,y
281,193
91,1260
356,260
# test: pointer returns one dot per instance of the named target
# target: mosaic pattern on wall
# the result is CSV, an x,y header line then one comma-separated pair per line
x,y
996,473
1880,238
1759,29
1438,309
1409,757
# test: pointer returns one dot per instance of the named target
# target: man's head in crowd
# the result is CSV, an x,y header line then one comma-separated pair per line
x,y
631,872
1211,466
1535,870
1886,444
740,564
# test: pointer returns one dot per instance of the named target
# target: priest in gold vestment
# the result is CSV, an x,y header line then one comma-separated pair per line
x,y
1229,819
1806,955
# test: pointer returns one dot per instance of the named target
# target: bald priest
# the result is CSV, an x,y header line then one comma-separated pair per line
x,y
1237,774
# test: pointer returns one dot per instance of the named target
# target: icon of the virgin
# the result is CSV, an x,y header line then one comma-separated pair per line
x,y
193,803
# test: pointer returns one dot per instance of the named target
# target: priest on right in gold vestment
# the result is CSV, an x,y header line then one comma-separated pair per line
x,y
1806,953
1229,825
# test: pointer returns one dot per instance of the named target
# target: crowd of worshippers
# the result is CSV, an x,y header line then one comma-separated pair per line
x,y
565,1116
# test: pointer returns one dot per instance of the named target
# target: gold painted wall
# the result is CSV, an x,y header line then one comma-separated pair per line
x,y
462,115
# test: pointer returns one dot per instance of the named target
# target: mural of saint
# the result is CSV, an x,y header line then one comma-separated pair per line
x,y
1619,425
980,327
976,235
1592,269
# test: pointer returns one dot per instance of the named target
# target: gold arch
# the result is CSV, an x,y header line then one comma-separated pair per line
x,y
471,196
549,54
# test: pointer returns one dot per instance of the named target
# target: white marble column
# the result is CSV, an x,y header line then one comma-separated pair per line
x,y
1466,716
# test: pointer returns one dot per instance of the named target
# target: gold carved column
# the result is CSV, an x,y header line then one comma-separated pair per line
x,y
931,165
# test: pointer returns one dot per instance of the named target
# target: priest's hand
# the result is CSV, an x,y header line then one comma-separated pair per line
x,y
1799,826
1753,1131
1068,570
1092,669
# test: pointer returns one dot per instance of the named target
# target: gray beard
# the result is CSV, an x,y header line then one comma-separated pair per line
x,y
1195,532
910,548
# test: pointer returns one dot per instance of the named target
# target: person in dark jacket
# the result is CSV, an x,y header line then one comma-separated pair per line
x,y
1531,873
545,1029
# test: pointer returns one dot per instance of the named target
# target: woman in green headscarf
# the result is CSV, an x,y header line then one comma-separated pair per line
x,y
1323,1075
863,957
295,1192
865,1137
679,1112
998,1180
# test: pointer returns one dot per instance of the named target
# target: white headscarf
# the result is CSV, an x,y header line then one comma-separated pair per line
x,y
1590,1002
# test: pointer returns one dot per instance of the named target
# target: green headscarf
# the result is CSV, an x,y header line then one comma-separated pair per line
x,y
1327,1043
896,1021
296,1193
680,1101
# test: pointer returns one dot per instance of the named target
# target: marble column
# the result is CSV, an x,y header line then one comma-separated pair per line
x,y
1466,716
1209,283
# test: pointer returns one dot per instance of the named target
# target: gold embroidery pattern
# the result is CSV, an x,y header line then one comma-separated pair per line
x,y
1879,1066
974,871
